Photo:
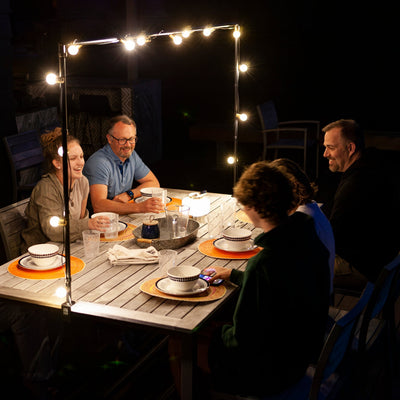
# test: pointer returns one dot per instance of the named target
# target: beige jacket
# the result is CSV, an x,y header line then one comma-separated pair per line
x,y
47,200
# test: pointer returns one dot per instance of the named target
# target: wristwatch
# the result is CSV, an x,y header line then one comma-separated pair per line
x,y
130,194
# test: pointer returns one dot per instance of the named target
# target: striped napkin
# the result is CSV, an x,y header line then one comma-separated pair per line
x,y
119,255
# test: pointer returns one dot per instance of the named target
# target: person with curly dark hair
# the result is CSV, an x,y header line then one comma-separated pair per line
x,y
280,317
47,198
304,192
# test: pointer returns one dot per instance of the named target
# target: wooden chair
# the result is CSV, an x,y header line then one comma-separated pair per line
x,y
12,222
26,158
288,134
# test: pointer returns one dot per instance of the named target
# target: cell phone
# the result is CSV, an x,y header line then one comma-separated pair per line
x,y
207,278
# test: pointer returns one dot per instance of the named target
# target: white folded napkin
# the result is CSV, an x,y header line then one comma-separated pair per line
x,y
119,255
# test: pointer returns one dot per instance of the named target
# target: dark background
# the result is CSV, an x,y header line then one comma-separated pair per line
x,y
315,60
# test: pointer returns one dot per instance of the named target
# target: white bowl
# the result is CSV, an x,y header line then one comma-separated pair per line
x,y
148,191
236,234
44,254
184,277
110,215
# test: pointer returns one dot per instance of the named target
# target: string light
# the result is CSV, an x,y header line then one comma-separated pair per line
x,y
243,117
177,39
73,49
141,40
207,31
230,160
186,33
129,43
52,79
243,67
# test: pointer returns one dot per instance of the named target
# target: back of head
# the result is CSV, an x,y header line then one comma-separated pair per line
x,y
265,189
304,190
350,130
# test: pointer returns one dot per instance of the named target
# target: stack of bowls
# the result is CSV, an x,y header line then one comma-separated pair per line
x,y
183,277
238,238
43,255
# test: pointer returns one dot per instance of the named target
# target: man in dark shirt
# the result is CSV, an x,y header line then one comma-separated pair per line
x,y
364,211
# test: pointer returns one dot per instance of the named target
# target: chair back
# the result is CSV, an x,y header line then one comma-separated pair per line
x,y
12,222
384,296
26,158
338,346
267,114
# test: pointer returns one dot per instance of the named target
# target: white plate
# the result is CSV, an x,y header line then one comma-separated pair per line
x,y
166,286
237,247
27,262
141,199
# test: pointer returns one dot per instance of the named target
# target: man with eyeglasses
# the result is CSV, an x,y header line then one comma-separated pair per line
x,y
113,169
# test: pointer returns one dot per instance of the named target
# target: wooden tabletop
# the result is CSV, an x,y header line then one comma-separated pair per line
x,y
114,291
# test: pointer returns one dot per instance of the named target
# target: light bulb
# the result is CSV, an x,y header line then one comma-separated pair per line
x,y
141,40
51,79
73,49
207,31
54,221
243,116
186,33
177,39
129,44
230,160
60,151
243,67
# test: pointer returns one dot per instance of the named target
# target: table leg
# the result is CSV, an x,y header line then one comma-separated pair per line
x,y
188,362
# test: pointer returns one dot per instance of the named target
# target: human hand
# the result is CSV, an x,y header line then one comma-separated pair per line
x,y
99,223
220,273
152,205
122,197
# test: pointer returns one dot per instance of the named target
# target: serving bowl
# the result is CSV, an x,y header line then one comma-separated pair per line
x,y
183,277
44,254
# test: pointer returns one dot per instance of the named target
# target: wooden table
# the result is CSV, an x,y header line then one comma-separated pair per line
x,y
113,292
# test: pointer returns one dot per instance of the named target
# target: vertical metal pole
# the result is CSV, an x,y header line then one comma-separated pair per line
x,y
236,105
62,64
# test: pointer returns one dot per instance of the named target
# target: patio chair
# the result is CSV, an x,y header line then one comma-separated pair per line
x,y
353,337
288,134
12,222
26,158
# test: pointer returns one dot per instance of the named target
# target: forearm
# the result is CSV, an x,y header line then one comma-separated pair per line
x,y
107,205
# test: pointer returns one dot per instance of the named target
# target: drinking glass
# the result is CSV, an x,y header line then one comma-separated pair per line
x,y
177,220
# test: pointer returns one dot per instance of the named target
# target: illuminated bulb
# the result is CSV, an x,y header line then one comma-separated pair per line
x,y
60,151
236,34
207,31
61,292
54,221
141,40
129,44
230,160
177,39
243,67
51,79
73,49
186,33
242,117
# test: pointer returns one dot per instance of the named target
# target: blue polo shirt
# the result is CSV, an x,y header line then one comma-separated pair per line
x,y
105,168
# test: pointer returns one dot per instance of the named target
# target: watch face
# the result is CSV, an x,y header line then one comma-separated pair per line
x,y
130,193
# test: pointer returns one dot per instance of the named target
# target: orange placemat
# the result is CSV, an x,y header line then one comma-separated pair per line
x,y
209,249
77,265
175,200
211,294
242,216
126,234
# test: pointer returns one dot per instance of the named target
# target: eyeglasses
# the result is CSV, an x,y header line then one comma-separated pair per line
x,y
133,139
